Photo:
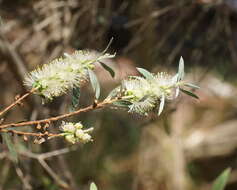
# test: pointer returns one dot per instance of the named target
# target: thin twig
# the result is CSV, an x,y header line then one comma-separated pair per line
x,y
57,179
230,41
47,155
51,135
41,159
14,59
17,101
49,120
179,46
56,152
24,180
153,15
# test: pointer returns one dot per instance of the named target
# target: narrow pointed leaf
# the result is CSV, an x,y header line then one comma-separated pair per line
x,y
145,73
221,180
175,79
67,55
177,90
7,140
93,186
189,93
95,83
181,69
122,103
107,68
192,85
162,104
75,98
109,44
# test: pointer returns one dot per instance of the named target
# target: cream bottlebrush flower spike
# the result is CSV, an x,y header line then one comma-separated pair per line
x,y
62,74
74,133
144,94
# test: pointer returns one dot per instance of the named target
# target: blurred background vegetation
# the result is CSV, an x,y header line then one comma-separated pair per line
x,y
185,148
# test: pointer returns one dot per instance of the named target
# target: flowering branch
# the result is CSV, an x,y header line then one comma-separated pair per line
x,y
52,119
55,79
139,95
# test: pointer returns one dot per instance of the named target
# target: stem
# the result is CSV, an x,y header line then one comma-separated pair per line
x,y
17,101
48,120
51,135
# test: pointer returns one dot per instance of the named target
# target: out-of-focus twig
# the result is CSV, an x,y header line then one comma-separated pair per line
x,y
59,181
41,159
48,120
231,42
24,180
9,52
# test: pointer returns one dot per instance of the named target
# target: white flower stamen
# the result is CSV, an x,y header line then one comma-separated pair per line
x,y
145,94
61,75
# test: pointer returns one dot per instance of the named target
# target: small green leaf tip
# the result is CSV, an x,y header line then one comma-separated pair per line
x,y
221,181
162,104
75,98
192,85
107,68
145,73
189,93
95,83
181,69
63,74
93,186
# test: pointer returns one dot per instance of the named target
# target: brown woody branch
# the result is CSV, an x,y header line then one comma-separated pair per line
x,y
52,119
51,135
17,101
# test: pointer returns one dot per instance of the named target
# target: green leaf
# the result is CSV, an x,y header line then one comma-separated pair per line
x,y
95,83
93,186
162,104
107,68
181,69
145,73
192,85
189,93
7,140
221,180
175,78
75,98
109,44
122,103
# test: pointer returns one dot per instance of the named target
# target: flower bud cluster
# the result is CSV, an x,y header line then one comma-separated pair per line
x,y
61,75
145,94
74,133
